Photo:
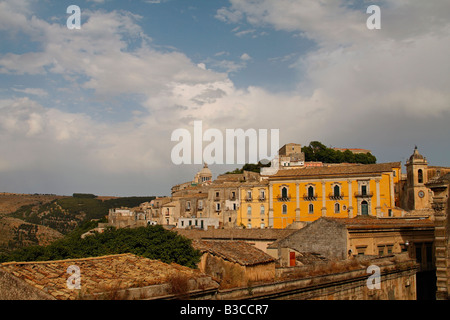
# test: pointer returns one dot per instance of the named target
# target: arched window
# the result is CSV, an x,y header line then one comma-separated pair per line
x,y
337,208
263,210
284,192
311,208
310,191
249,210
364,208
420,176
337,191
284,209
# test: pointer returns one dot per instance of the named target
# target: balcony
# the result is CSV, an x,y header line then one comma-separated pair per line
x,y
232,198
262,198
333,196
248,199
284,199
200,208
310,197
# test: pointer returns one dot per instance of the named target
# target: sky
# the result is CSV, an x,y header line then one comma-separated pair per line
x,y
93,109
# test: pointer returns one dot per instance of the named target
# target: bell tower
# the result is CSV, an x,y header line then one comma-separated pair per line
x,y
416,171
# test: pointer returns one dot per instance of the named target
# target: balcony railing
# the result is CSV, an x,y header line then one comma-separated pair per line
x,y
286,198
262,198
334,196
200,208
310,197
248,199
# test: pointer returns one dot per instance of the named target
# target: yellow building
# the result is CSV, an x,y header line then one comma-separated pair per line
x,y
341,191
253,209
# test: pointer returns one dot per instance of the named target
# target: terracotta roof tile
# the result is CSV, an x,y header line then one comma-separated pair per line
x,y
97,274
239,252
338,170
372,222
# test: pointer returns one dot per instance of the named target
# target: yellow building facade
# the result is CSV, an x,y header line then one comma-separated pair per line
x,y
345,191
253,209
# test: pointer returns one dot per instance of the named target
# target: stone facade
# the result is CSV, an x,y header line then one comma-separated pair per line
x,y
338,238
441,205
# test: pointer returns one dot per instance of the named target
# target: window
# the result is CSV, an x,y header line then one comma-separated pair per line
x,y
361,250
263,210
380,250
364,190
233,194
262,194
337,191
284,192
311,208
217,206
234,206
310,192
217,194
390,248
337,208
188,205
284,209
249,211
420,176
200,204
249,195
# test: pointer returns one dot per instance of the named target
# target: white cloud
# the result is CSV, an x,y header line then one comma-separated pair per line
x,y
358,84
33,91
245,57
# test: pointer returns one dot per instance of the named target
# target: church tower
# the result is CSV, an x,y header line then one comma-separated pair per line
x,y
417,192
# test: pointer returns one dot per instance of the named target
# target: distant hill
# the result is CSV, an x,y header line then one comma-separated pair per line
x,y
65,214
40,219
11,202
15,234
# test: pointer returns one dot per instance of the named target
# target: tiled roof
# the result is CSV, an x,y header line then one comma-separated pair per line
x,y
337,170
236,234
97,274
368,222
239,252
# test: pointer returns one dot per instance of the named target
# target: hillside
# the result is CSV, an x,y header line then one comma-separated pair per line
x,y
27,219
15,233
65,214
11,202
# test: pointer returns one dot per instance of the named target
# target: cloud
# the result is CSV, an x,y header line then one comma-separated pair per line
x,y
33,91
357,87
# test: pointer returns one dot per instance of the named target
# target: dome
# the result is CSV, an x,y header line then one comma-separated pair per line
x,y
205,171
416,156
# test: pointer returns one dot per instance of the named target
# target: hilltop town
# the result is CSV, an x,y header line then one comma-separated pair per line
x,y
279,234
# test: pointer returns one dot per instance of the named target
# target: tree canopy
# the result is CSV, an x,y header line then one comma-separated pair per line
x,y
317,151
153,242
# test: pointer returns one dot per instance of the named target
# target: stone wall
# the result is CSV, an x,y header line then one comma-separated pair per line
x,y
398,282
324,236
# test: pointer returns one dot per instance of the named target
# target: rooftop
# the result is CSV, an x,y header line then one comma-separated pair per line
x,y
236,234
239,252
98,274
368,222
355,169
